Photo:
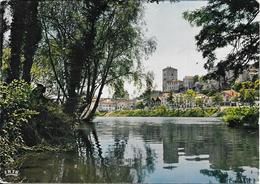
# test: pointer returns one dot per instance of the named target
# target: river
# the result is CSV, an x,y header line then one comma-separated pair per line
x,y
151,150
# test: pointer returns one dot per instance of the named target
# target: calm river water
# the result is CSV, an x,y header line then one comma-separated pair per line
x,y
152,150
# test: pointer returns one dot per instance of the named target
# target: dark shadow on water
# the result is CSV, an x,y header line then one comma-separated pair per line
x,y
223,177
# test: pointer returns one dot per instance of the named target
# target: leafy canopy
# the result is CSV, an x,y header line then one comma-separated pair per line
x,y
231,24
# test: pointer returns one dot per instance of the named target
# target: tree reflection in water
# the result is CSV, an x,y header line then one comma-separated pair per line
x,y
122,151
223,177
110,166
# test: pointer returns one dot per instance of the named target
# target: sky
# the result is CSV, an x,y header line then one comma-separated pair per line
x,y
176,45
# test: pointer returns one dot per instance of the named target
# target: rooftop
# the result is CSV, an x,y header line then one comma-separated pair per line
x,y
169,68
188,77
230,93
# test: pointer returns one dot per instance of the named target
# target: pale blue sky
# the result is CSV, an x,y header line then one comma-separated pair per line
x,y
175,41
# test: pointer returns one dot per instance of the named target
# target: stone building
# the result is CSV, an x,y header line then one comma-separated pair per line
x,y
169,74
188,82
107,105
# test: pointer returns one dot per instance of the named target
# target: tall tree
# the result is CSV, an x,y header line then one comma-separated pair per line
x,y
91,44
24,37
119,90
231,24
3,29
16,38
32,36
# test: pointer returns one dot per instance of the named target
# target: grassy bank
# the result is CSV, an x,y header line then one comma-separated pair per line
x,y
163,112
30,122
241,116
233,116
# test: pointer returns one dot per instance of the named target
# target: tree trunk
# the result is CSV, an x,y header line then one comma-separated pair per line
x,y
76,65
92,113
79,54
16,39
32,37
103,82
2,30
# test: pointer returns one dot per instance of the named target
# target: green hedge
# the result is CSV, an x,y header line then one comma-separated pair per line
x,y
241,116
162,111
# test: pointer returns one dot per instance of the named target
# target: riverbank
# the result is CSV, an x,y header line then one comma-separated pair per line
x,y
29,122
49,130
247,116
233,116
32,123
162,111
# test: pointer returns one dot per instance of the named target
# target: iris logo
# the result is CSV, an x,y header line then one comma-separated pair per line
x,y
14,173
8,174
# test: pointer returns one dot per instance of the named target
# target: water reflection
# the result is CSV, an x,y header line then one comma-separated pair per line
x,y
158,152
223,176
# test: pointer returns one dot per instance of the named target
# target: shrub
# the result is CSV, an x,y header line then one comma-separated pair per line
x,y
241,116
163,111
15,111
28,120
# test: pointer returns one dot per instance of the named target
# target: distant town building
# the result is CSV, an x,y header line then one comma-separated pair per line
x,y
228,95
177,85
108,104
188,82
155,101
169,74
155,93
174,86
164,98
125,104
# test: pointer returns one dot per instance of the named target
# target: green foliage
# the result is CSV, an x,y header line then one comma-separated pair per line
x,y
199,102
207,92
15,111
51,127
229,24
162,111
190,93
103,45
5,63
217,99
140,105
119,91
16,102
99,113
248,95
27,119
196,78
170,98
241,116
249,91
